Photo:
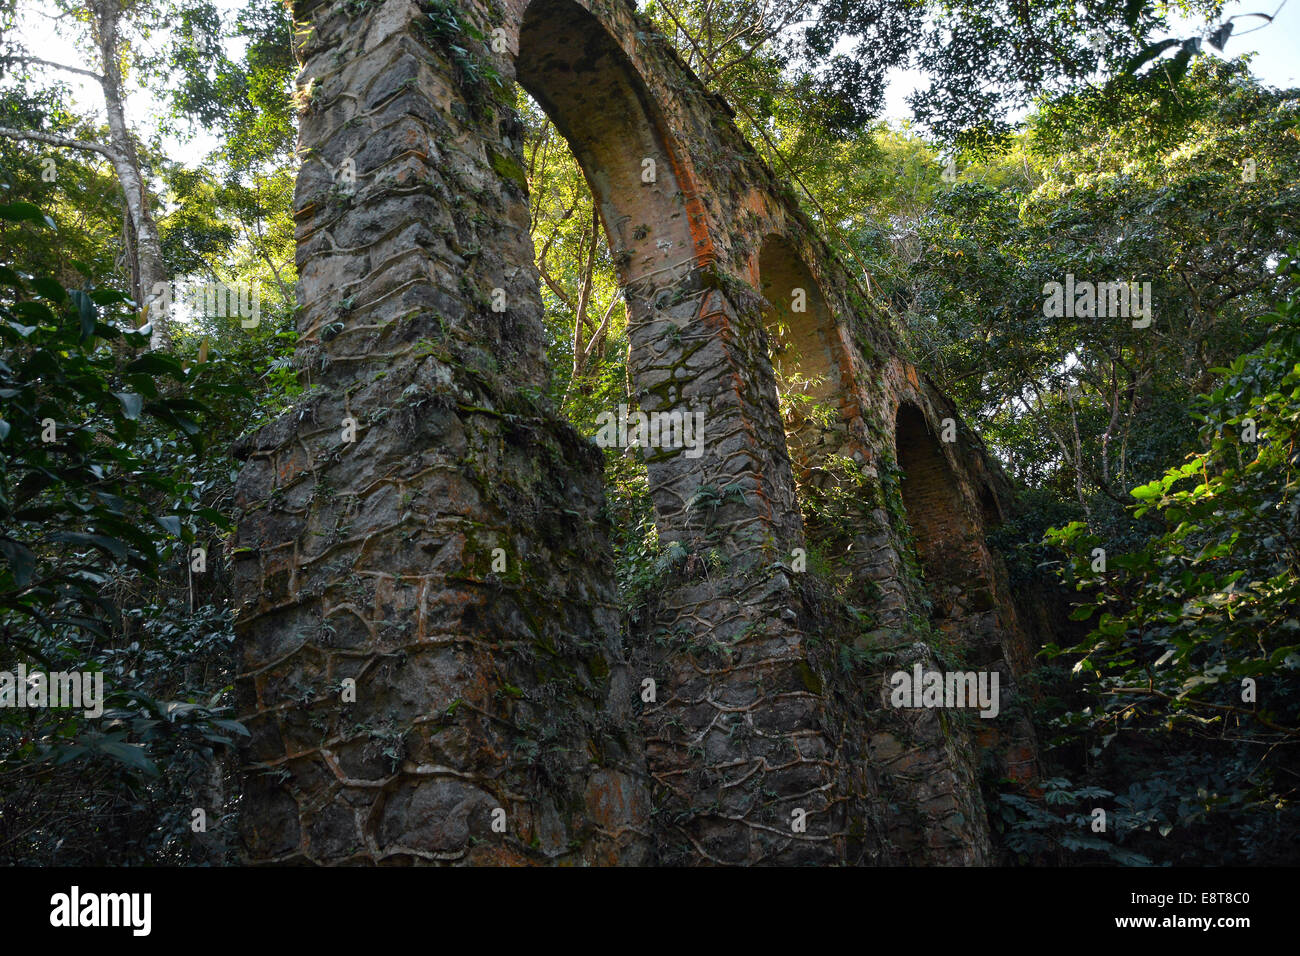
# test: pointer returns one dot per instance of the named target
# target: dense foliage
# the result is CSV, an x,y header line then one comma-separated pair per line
x,y
1193,660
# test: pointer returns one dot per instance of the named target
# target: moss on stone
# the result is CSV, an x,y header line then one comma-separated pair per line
x,y
508,169
809,678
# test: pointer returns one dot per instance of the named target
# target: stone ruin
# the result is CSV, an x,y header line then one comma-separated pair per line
x,y
435,665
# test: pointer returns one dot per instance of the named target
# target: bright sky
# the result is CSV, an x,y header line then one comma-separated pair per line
x,y
1275,47
37,31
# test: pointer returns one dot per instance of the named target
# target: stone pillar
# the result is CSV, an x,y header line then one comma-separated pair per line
x,y
431,658
737,734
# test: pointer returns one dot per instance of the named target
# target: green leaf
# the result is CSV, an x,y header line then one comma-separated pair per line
x,y
21,560
155,363
132,755
171,523
233,726
132,404
85,311
50,289
103,542
1147,54
23,212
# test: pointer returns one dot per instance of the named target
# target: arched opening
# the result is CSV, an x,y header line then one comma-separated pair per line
x,y
600,274
990,510
804,350
681,376
798,320
941,531
573,68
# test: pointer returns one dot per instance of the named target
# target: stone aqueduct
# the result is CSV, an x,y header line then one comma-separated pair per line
x,y
521,691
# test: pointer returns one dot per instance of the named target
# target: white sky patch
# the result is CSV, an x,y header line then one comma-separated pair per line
x,y
59,41
1274,46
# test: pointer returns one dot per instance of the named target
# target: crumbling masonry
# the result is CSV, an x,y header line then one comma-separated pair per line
x,y
435,665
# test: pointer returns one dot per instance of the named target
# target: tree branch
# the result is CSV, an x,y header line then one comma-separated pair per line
x,y
62,141
58,66
1227,708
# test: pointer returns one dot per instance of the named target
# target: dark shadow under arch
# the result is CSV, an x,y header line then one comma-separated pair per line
x,y
990,510
932,497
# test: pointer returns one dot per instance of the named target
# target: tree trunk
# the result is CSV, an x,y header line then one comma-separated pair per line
x,y
126,163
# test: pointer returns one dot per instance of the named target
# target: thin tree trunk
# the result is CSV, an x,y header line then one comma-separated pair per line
x,y
126,163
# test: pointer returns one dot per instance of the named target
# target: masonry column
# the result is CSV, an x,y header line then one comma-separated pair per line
x,y
431,663
747,757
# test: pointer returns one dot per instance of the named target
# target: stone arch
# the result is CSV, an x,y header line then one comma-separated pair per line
x,y
689,341
942,532
807,355
375,558
572,66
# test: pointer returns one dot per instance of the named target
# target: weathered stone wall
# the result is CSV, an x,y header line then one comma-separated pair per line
x,y
424,525
485,679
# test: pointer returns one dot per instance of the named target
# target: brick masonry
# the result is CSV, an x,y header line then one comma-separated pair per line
x,y
435,667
